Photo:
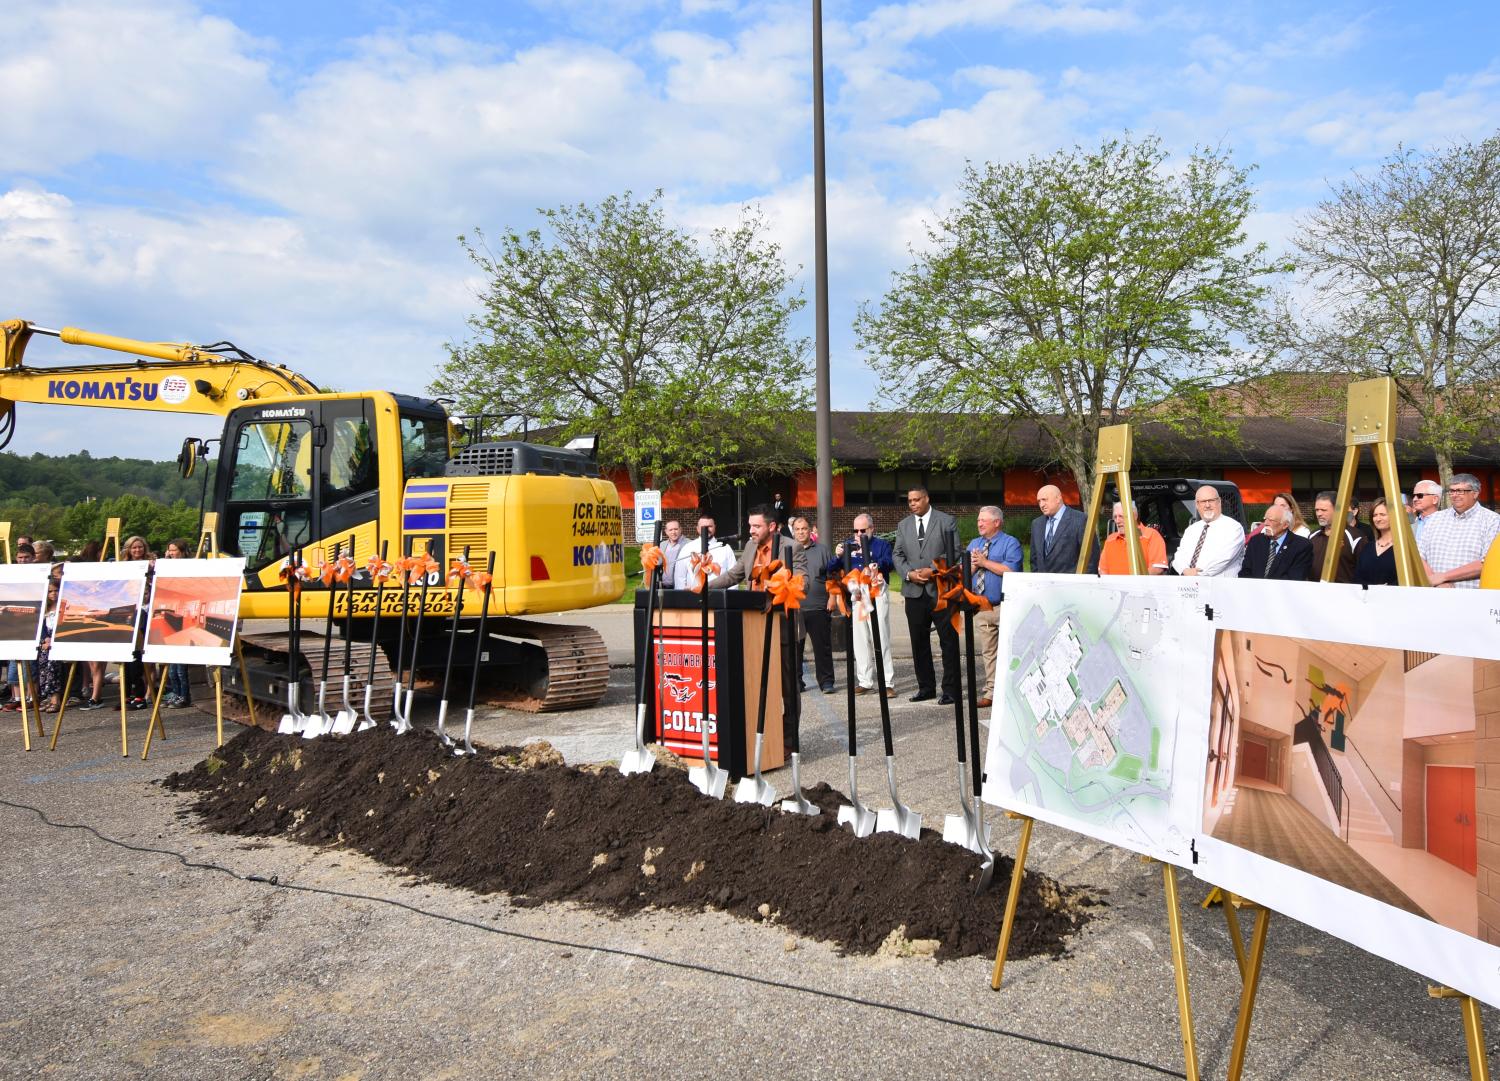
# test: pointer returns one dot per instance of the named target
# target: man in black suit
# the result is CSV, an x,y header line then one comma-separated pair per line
x,y
921,537
1057,535
1277,552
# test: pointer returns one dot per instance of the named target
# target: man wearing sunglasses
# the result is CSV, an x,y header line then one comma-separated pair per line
x,y
1455,542
1426,500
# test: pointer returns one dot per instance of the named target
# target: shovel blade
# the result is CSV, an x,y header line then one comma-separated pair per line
x,y
899,819
958,831
709,780
344,721
754,790
860,817
637,760
800,805
290,724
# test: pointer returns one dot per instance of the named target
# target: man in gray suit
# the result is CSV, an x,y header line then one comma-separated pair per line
x,y
1056,535
923,536
766,544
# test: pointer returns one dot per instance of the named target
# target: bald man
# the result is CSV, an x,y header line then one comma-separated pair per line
x,y
1213,546
1056,534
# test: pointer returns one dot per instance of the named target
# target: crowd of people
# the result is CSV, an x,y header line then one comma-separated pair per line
x,y
46,679
1453,543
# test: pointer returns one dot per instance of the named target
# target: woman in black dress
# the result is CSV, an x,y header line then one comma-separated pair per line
x,y
1375,562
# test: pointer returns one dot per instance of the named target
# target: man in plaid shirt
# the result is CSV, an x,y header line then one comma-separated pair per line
x,y
1454,541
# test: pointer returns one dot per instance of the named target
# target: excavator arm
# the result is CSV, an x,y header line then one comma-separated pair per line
x,y
177,377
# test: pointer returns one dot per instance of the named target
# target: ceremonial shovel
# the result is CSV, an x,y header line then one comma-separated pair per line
x,y
379,574
960,829
416,640
981,834
798,804
291,720
458,611
899,818
708,778
756,789
401,640
484,615
321,723
638,759
346,718
856,814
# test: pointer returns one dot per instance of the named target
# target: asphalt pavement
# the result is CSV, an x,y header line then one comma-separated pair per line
x,y
134,945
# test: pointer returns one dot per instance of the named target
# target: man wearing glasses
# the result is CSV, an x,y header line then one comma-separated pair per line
x,y
1426,500
1454,543
866,549
1213,546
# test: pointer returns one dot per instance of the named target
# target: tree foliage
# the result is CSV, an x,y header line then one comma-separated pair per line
x,y
609,320
1403,266
1074,290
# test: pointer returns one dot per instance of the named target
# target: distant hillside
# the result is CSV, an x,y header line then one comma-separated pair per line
x,y
67,499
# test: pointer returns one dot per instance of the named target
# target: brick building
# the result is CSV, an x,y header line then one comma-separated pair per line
x,y
1302,453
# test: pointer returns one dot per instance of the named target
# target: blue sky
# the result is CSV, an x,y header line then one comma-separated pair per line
x,y
293,176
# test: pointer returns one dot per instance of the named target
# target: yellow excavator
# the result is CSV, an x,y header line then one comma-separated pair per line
x,y
299,470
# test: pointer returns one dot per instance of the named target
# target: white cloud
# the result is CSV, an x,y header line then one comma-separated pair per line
x,y
906,23
1465,107
82,78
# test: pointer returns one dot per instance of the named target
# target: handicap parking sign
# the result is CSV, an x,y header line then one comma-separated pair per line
x,y
647,514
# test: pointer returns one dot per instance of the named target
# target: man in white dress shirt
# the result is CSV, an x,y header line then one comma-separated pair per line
x,y
682,572
1213,546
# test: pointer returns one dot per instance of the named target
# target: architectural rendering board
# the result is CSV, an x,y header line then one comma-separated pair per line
x,y
1349,733
23,600
1101,725
195,605
99,606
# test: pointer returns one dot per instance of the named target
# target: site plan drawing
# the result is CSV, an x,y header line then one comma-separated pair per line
x,y
1103,708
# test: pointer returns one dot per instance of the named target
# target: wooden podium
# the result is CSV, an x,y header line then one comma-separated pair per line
x,y
674,687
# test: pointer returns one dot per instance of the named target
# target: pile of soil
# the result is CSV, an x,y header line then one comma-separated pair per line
x,y
518,821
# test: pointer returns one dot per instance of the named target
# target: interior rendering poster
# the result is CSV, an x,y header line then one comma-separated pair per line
x,y
1348,777
98,608
23,602
195,606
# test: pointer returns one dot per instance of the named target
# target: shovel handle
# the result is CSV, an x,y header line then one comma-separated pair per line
x,y
375,626
348,612
458,611
484,615
973,696
885,703
644,663
765,671
849,678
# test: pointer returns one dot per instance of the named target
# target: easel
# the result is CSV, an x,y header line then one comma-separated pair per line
x,y
111,533
1371,422
26,713
1112,460
208,543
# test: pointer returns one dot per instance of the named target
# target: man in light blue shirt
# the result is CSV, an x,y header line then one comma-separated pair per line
x,y
1426,501
992,554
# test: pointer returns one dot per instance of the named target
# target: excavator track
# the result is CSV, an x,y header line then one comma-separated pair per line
x,y
268,653
559,667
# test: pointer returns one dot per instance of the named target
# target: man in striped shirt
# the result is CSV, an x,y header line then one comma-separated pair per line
x,y
1454,541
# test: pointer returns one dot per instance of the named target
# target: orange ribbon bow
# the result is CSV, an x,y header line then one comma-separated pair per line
x,y
838,593
787,590
652,557
420,567
458,571
343,568
953,593
704,567
378,569
865,584
761,572
293,576
478,580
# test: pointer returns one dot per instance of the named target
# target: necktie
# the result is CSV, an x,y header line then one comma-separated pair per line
x,y
1198,548
1270,556
1051,529
979,572
921,531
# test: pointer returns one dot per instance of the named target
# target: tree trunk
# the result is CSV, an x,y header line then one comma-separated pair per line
x,y
1445,466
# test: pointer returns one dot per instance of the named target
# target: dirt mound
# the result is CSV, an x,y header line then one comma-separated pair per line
x,y
515,822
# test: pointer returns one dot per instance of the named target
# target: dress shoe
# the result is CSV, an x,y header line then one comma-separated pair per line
x,y
946,700
863,690
984,703
890,692
923,696
827,688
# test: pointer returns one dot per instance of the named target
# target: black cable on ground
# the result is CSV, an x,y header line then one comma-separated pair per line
x,y
853,1000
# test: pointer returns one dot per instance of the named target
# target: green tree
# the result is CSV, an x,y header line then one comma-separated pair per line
x,y
1403,265
609,320
1073,292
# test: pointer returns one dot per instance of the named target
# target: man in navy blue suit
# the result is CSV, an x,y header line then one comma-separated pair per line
x,y
1056,534
1277,552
